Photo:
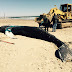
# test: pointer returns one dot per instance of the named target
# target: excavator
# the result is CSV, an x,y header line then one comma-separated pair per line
x,y
64,15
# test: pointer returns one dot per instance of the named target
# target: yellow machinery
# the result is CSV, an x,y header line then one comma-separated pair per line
x,y
64,15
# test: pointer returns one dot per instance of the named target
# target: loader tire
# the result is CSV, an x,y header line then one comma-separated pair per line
x,y
59,26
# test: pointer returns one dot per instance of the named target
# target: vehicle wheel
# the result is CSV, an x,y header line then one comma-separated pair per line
x,y
59,26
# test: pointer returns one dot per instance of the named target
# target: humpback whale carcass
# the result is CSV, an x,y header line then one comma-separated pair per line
x,y
63,52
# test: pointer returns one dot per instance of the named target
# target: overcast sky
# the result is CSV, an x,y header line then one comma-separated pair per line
x,y
28,7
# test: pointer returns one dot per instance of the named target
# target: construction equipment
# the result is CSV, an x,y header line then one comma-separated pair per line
x,y
64,15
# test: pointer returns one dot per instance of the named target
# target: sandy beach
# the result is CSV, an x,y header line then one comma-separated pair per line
x,y
30,54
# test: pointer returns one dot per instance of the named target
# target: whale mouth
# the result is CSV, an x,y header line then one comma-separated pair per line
x,y
64,53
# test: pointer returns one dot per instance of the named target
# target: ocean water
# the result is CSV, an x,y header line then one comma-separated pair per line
x,y
25,17
28,18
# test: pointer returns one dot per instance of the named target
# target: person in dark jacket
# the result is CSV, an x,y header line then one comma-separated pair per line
x,y
55,21
46,22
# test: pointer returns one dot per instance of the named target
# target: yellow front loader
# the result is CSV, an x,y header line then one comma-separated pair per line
x,y
64,15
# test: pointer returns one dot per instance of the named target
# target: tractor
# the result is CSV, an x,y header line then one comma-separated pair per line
x,y
64,15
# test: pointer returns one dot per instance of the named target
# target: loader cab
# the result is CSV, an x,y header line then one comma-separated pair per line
x,y
67,8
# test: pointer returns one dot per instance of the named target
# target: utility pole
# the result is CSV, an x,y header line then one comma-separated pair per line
x,y
4,15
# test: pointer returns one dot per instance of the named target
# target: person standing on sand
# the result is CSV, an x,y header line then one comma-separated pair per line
x,y
46,22
55,20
